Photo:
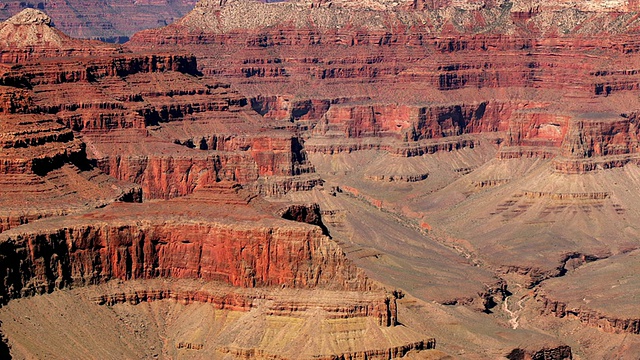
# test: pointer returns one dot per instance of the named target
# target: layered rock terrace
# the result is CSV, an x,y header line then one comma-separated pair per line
x,y
111,21
417,51
161,131
505,144
517,118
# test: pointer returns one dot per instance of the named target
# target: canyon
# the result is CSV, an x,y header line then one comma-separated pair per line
x,y
339,180
110,21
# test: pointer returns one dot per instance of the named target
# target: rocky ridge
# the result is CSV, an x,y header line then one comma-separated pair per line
x,y
506,149
507,144
445,16
162,131
415,59
592,307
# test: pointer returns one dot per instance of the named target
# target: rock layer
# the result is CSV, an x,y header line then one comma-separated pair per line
x,y
593,305
516,117
272,302
194,131
420,52
247,252
44,170
111,21
500,152
200,329
30,34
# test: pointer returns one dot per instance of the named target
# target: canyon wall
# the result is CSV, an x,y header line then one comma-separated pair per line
x,y
408,79
448,69
44,169
589,317
283,301
150,99
241,255
112,21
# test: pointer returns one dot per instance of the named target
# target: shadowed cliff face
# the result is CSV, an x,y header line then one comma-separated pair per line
x,y
309,214
5,350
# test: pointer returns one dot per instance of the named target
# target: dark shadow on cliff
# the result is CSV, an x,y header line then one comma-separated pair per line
x,y
5,350
309,214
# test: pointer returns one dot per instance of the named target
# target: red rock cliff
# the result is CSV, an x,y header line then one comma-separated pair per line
x,y
242,253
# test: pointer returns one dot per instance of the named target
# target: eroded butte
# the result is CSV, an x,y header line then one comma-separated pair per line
x,y
325,180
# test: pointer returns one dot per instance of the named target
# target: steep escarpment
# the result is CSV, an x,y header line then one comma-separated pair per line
x,y
174,130
44,170
607,302
502,130
96,254
463,68
254,250
211,248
